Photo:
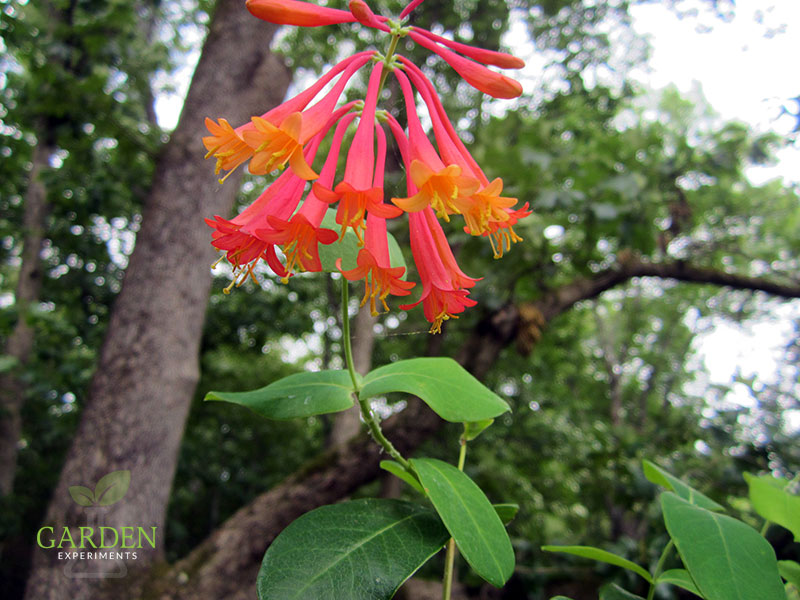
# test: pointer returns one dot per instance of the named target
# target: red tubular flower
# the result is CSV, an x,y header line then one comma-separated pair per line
x,y
442,298
356,193
439,185
482,55
294,12
501,233
478,76
229,145
275,146
373,262
486,205
411,6
365,16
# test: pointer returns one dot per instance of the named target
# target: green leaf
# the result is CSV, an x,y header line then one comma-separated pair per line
x,y
771,500
347,248
727,559
792,591
790,571
560,598
474,428
112,487
441,383
298,395
602,556
506,511
81,495
659,476
680,578
612,591
469,517
350,551
397,470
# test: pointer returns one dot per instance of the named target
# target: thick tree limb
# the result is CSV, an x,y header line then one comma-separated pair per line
x,y
565,297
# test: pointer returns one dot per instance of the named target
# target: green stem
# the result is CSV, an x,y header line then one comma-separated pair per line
x,y
450,557
660,568
363,403
386,60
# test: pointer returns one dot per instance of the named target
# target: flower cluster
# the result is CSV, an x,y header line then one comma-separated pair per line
x,y
442,179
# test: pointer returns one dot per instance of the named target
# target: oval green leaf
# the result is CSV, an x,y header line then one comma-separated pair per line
x,y
298,395
359,550
771,500
727,559
112,487
601,556
474,428
469,517
398,471
444,385
659,476
507,511
680,578
790,571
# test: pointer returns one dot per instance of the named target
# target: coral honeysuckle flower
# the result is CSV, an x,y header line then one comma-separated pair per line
x,y
373,262
501,233
300,236
237,238
482,55
478,76
486,205
441,299
275,146
411,6
295,12
439,185
227,145
374,267
357,193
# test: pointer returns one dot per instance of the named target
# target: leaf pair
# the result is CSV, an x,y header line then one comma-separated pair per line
x,y
441,383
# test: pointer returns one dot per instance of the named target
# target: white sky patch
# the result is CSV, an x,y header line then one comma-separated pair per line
x,y
746,67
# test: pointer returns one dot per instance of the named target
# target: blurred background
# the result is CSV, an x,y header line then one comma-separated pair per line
x,y
650,312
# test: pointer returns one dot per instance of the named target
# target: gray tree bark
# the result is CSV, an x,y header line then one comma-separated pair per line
x,y
147,371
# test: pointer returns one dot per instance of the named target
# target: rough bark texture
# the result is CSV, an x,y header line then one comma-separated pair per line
x,y
147,371
20,343
226,564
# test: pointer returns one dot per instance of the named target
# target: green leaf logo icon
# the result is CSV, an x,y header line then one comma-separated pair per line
x,y
81,495
109,490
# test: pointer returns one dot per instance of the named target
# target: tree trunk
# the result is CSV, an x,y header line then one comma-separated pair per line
x,y
20,343
147,371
